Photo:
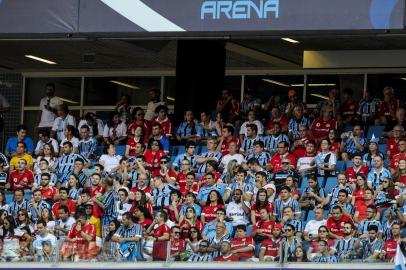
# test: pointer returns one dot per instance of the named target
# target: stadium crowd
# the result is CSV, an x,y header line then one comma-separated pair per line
x,y
246,181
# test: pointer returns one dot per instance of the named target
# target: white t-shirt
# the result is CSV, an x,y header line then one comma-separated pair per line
x,y
151,106
110,162
39,239
52,141
312,226
236,212
227,158
243,129
100,126
121,131
48,117
304,163
60,124
74,141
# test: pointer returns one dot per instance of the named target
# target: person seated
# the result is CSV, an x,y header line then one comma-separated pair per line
x,y
370,245
353,142
226,254
44,138
392,144
320,126
12,143
87,145
272,141
296,122
277,117
162,119
21,153
250,139
189,130
22,178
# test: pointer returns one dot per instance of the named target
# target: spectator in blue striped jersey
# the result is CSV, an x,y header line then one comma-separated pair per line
x,y
211,154
87,145
353,142
251,121
370,245
369,220
343,201
129,238
368,109
272,141
259,154
344,247
202,255
378,173
189,154
285,199
296,122
324,256
189,130
289,218
18,203
250,139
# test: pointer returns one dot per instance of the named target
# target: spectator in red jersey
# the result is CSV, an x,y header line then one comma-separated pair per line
x,y
335,223
263,228
141,202
277,117
394,162
303,163
400,176
323,235
80,242
322,125
228,105
227,138
21,178
242,245
64,200
138,121
261,202
389,249
362,205
132,142
177,245
335,144
226,254
48,192
389,105
214,202
299,146
349,108
159,233
190,185
357,168
175,204
270,248
275,164
188,221
141,184
393,142
153,155
163,120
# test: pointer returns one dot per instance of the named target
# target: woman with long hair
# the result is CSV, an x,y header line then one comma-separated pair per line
x,y
211,167
115,131
312,196
290,182
175,204
334,140
3,203
261,202
214,201
400,175
23,220
48,154
140,202
373,151
188,221
298,256
153,156
131,147
385,194
230,171
46,215
358,195
109,246
73,185
138,121
323,234
193,239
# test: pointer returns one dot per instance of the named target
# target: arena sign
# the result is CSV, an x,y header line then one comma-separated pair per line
x,y
188,17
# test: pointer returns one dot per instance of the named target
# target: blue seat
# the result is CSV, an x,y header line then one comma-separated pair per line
x,y
120,150
249,230
9,197
340,166
349,164
348,128
382,149
202,149
376,131
331,182
304,183
310,215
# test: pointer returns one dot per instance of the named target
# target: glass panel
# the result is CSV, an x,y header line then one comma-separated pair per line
x,y
264,86
66,88
233,83
169,90
31,121
108,90
376,83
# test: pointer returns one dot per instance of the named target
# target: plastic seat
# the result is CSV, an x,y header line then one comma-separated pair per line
x,y
331,182
120,150
249,230
310,215
340,166
382,149
376,131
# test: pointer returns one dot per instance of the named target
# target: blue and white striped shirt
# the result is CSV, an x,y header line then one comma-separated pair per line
x,y
368,109
186,130
65,164
87,147
279,205
271,142
110,201
262,158
376,179
363,226
215,154
179,158
248,144
350,146
293,126
344,247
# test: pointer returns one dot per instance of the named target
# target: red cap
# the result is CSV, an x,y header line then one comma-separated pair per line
x,y
278,225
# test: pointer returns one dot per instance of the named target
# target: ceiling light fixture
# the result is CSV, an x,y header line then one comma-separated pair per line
x,y
125,85
319,96
68,100
276,82
290,40
170,98
36,58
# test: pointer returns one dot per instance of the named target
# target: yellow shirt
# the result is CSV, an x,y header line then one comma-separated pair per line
x,y
96,222
14,161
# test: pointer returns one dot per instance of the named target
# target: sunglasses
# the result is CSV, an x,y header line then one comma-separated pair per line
x,y
164,162
288,230
176,232
285,163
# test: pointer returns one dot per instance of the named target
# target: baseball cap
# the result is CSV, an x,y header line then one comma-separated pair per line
x,y
278,226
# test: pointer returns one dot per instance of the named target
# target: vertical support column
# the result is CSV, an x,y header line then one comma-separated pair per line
x,y
200,72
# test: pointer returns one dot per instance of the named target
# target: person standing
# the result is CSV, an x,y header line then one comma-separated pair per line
x,y
48,106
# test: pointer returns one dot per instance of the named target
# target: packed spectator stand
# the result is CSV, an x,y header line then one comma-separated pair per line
x,y
245,181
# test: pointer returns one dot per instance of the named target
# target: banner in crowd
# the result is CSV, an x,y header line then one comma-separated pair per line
x,y
216,17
